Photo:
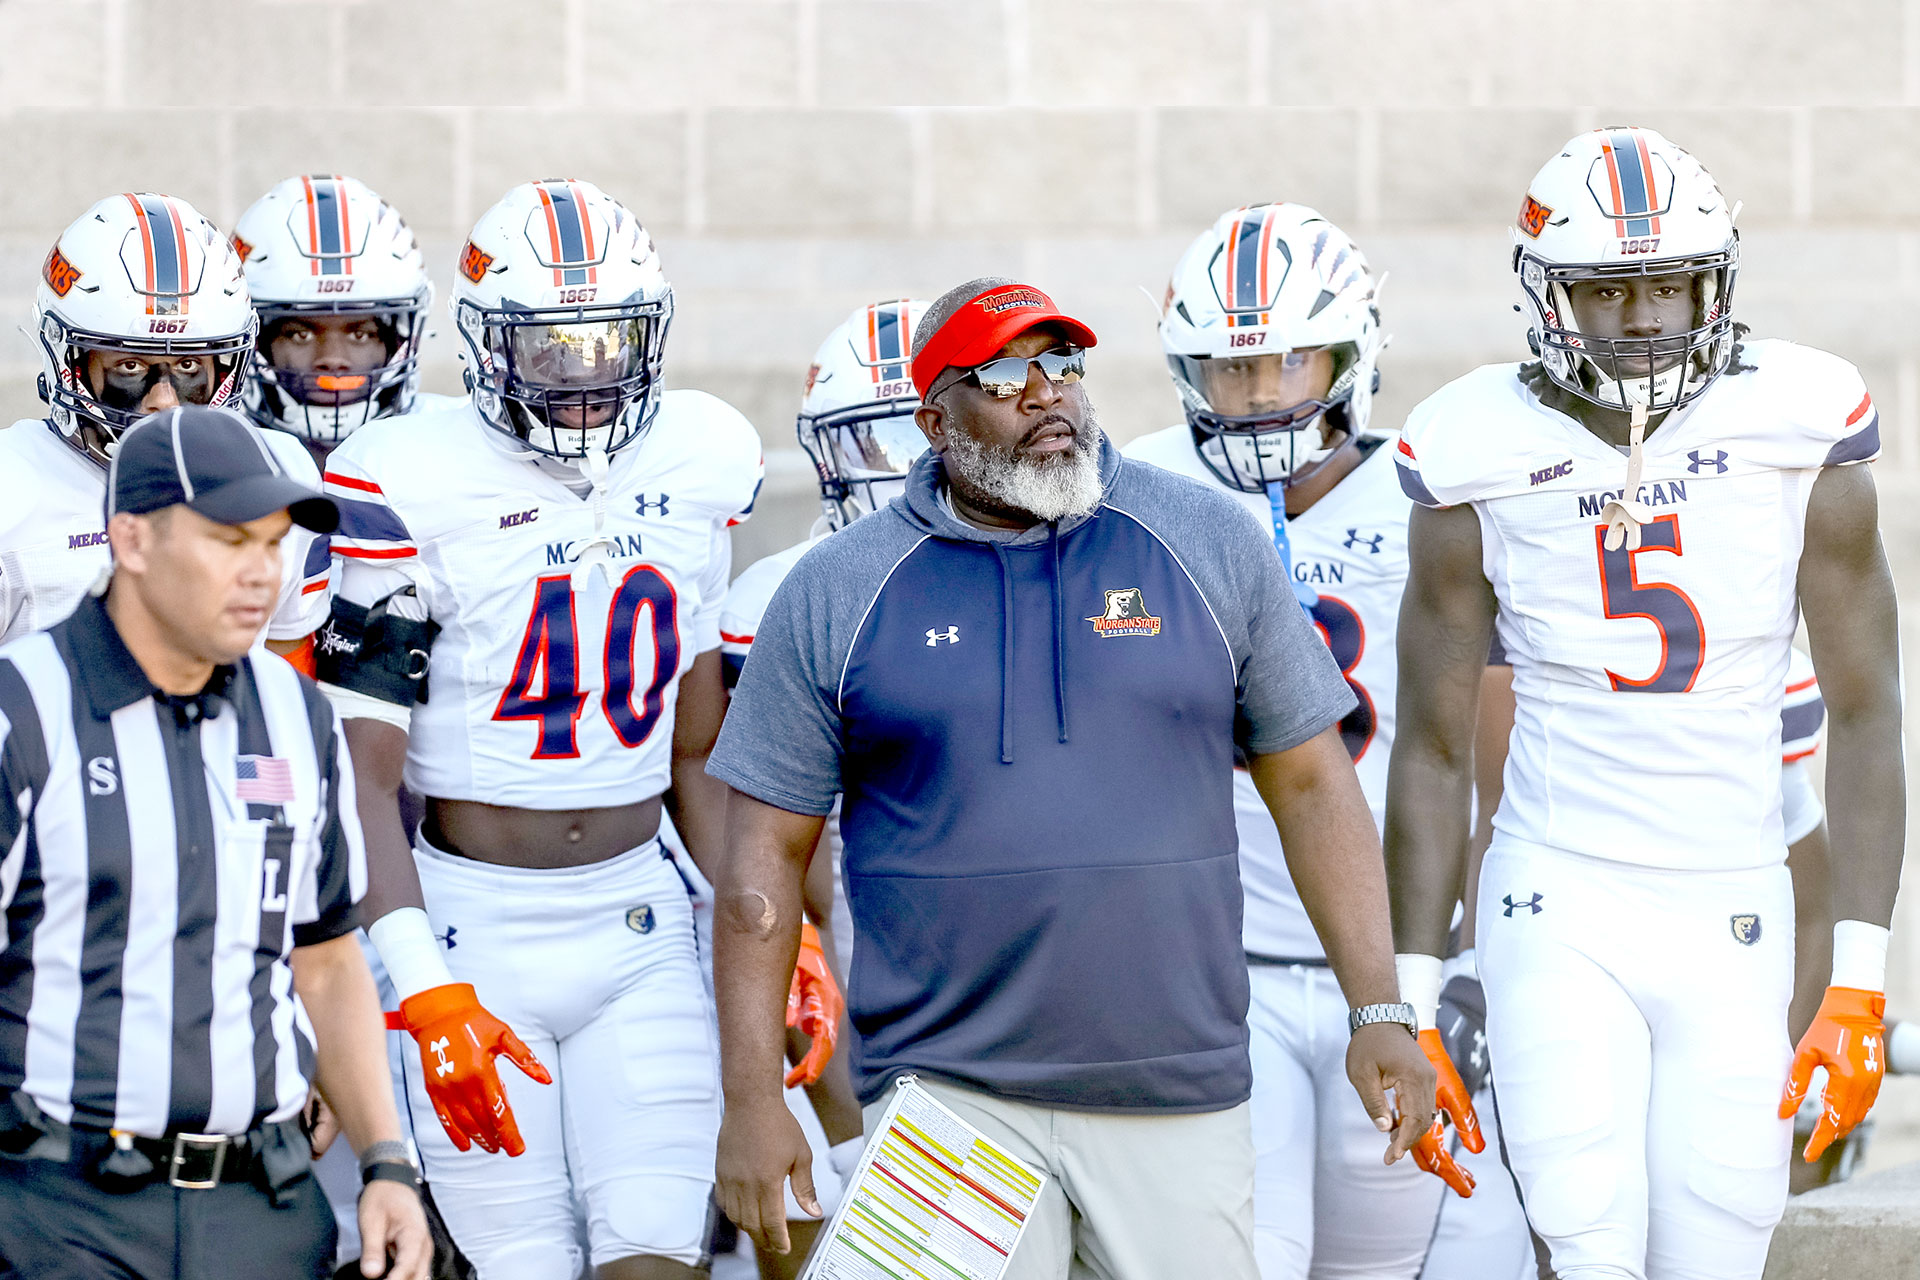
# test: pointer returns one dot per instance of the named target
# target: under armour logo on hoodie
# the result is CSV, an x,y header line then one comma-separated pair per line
x,y
951,635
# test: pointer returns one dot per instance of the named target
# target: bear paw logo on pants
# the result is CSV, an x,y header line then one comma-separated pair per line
x,y
1125,615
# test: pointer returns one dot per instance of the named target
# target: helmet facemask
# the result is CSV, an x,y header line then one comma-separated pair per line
x,y
101,417
325,406
862,455
1661,372
571,381
1284,432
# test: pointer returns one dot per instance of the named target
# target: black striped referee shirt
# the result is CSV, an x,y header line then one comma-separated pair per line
x,y
159,860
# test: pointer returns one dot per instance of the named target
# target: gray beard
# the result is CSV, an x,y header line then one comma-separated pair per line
x,y
1048,489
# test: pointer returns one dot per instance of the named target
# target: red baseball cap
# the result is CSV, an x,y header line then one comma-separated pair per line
x,y
975,333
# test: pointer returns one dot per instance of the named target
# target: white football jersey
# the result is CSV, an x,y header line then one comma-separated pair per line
x,y
53,538
1648,683
740,616
1350,547
564,630
747,600
1804,711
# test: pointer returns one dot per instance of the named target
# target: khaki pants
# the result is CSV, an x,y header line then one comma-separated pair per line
x,y
1128,1197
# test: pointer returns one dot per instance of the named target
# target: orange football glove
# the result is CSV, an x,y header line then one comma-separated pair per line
x,y
1849,1039
1431,1154
458,1042
814,1007
1450,1101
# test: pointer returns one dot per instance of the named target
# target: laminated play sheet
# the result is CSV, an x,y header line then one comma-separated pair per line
x,y
932,1199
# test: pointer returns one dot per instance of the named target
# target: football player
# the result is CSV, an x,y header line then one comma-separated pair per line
x,y
856,424
141,307
1486,1237
342,295
526,628
1272,331
1647,510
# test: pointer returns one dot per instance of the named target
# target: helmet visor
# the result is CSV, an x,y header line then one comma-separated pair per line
x,y
1281,388
575,355
874,449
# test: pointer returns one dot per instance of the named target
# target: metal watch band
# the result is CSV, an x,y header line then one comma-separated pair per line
x,y
1368,1014
388,1152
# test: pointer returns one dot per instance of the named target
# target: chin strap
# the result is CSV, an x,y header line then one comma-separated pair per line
x,y
594,552
1625,514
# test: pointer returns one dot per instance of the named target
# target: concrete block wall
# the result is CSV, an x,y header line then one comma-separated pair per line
x,y
796,158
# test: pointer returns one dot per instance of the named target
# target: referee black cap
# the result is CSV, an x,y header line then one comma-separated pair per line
x,y
210,460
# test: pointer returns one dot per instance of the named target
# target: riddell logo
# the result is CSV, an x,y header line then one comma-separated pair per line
x,y
60,274
474,262
1553,472
1126,615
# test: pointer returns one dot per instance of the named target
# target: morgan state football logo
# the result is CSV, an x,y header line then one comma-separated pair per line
x,y
1126,615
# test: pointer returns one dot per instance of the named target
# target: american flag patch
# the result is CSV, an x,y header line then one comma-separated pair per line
x,y
263,779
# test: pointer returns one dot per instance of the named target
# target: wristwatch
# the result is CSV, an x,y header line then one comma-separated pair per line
x,y
388,1162
1368,1014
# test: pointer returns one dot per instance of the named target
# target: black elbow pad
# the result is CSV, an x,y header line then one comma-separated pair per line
x,y
376,651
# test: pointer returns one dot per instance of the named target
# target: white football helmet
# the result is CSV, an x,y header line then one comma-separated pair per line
x,y
145,275
1251,304
1625,202
563,306
327,246
856,416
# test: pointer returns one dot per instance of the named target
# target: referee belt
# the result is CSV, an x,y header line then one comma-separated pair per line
x,y
274,1155
189,1161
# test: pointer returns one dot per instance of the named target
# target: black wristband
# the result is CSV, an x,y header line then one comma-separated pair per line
x,y
390,1171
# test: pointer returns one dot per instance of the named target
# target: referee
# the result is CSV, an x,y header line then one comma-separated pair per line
x,y
179,862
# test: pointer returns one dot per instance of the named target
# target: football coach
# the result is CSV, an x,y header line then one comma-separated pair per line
x,y
1030,677
179,862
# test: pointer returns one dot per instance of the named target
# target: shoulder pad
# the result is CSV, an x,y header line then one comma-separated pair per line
x,y
1467,439
1818,412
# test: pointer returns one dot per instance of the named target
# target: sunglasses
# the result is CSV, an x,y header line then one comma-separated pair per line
x,y
1006,377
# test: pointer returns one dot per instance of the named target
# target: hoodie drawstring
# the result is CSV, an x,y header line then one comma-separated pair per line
x,y
1006,643
1006,654
1059,632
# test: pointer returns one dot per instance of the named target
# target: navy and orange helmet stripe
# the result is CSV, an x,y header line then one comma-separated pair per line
x,y
1631,181
888,341
329,234
1248,248
570,232
163,242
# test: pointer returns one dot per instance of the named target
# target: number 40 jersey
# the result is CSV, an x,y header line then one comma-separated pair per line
x,y
565,621
1648,682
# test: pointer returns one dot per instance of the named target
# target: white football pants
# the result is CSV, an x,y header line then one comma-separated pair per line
x,y
1637,1025
1324,1203
596,969
1485,1236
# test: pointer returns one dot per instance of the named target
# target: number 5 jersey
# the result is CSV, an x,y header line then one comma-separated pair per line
x,y
1648,681
565,620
